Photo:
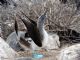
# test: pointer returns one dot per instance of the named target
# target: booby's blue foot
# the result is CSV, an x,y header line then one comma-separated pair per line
x,y
37,55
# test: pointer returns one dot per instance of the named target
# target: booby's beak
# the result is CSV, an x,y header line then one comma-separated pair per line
x,y
43,16
41,20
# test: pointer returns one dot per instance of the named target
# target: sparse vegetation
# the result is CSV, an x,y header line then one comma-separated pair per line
x,y
60,16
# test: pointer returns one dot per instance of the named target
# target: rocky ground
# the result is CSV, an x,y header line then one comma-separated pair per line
x,y
60,16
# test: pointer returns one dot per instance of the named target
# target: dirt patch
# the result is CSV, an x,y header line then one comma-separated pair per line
x,y
50,55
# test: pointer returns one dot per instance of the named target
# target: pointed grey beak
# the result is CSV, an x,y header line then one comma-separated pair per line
x,y
43,16
41,20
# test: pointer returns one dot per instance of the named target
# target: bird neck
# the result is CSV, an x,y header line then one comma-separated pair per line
x,y
42,31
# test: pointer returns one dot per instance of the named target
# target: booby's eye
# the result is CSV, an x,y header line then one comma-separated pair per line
x,y
29,40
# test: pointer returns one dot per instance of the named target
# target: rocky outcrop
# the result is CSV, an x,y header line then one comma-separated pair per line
x,y
6,52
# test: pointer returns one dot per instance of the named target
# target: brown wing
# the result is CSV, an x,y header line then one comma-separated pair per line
x,y
16,27
33,32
